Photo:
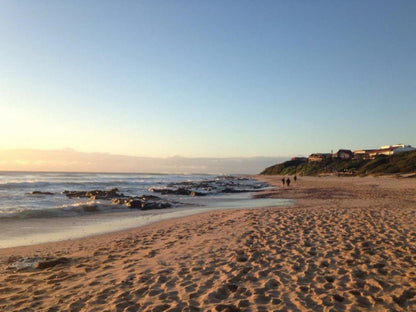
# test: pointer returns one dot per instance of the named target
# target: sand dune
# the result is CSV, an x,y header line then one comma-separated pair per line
x,y
347,244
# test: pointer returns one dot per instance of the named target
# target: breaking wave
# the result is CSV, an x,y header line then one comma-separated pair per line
x,y
69,210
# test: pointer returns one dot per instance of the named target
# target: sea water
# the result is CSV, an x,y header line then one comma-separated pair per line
x,y
27,218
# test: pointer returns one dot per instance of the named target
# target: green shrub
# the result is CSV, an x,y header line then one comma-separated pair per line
x,y
399,163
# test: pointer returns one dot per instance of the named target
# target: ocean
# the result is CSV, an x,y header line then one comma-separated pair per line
x,y
35,207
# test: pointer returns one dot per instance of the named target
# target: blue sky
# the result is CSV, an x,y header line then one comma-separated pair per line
x,y
207,78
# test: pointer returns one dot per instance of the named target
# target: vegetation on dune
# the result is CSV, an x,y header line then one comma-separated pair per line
x,y
398,163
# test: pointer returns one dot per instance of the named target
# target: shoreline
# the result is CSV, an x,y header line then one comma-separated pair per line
x,y
346,244
35,231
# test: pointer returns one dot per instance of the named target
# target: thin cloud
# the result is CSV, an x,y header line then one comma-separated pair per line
x,y
71,160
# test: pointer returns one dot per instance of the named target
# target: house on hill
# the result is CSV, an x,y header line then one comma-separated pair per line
x,y
343,154
386,150
319,156
362,154
401,148
373,153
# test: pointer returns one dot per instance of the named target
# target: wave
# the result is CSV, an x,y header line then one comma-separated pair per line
x,y
26,184
16,189
57,181
64,185
106,183
70,210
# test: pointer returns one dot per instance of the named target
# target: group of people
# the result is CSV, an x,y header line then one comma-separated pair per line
x,y
287,181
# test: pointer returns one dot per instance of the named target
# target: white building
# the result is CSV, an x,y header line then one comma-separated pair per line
x,y
400,148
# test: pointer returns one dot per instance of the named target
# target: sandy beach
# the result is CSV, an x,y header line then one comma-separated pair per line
x,y
348,244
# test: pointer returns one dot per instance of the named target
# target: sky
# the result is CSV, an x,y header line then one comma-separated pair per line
x,y
198,79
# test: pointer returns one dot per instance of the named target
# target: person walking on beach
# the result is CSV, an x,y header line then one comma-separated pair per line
x,y
283,182
295,178
288,182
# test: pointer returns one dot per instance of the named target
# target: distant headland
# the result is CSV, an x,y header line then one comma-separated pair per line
x,y
389,159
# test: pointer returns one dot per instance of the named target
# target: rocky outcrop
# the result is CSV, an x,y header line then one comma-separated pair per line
x,y
178,191
143,202
95,194
218,185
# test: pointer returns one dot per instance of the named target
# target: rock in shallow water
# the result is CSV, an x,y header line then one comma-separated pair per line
x,y
215,186
41,193
143,202
177,191
95,194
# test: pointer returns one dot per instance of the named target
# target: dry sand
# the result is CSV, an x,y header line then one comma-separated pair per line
x,y
347,244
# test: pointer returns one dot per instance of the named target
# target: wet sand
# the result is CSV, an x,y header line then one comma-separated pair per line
x,y
348,244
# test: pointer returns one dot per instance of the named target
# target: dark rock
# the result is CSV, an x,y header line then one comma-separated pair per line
x,y
95,194
233,190
149,197
177,191
71,194
167,191
143,202
181,191
217,185
133,203
155,205
99,194
41,193
51,263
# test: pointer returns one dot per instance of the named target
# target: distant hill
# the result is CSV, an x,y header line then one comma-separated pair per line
x,y
399,163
